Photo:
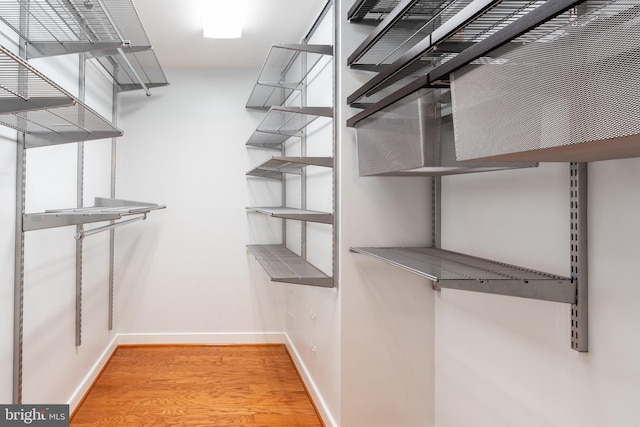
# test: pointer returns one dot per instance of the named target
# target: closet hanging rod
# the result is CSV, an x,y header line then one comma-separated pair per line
x,y
135,73
86,233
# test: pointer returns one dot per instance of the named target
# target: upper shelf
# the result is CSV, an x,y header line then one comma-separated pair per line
x,y
276,166
46,113
104,209
408,24
472,24
281,123
464,272
284,71
371,12
102,28
535,20
283,265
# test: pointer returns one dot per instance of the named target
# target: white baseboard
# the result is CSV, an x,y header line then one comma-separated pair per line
x,y
312,388
87,381
204,338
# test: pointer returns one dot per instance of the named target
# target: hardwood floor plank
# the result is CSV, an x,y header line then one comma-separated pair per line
x,y
239,385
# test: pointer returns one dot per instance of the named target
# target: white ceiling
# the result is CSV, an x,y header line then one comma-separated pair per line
x,y
175,31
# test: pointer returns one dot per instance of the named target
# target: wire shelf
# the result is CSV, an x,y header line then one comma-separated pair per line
x,y
294,214
371,11
23,88
104,209
454,270
282,123
408,24
45,112
283,72
283,265
474,23
276,166
145,65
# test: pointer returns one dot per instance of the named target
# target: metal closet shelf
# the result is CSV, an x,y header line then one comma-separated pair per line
x,y
474,23
371,12
104,29
408,24
47,114
281,123
283,72
283,265
535,25
454,270
104,209
295,214
42,92
275,167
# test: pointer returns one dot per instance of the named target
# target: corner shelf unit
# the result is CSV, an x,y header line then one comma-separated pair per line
x,y
474,22
454,270
48,115
283,265
104,209
110,30
283,72
281,90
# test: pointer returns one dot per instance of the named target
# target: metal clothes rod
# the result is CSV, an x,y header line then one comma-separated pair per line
x,y
135,73
82,234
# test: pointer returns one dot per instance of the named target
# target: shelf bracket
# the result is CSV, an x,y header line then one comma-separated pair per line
x,y
82,233
436,211
579,257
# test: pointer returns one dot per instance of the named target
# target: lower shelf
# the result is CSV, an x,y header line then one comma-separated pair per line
x,y
283,265
295,214
464,272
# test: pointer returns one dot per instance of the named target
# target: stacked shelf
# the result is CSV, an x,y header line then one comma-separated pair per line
x,y
469,24
283,72
110,31
47,114
370,11
284,75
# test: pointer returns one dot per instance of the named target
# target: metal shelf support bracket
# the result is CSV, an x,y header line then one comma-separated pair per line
x,y
579,257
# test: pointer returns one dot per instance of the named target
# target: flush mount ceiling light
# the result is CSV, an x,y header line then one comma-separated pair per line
x,y
222,19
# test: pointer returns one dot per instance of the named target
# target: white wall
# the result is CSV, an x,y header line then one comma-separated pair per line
x,y
507,361
387,327
185,270
53,367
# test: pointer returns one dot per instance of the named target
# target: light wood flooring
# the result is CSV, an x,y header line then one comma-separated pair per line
x,y
237,385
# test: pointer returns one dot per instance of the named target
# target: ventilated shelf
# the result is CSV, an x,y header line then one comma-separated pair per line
x,y
408,24
371,11
134,70
283,265
23,88
60,125
284,70
276,166
281,123
110,30
474,23
295,214
104,209
454,270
